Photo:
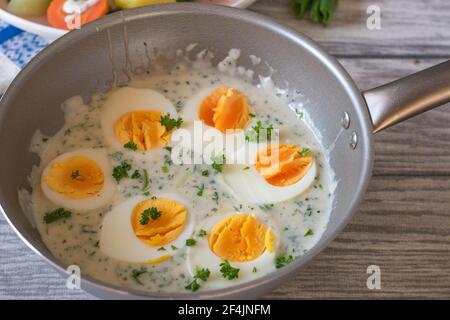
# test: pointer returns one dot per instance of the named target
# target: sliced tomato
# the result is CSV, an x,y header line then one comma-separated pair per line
x,y
56,16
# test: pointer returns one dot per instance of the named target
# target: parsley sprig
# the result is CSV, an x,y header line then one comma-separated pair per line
x,y
282,261
170,123
149,213
259,133
57,214
200,274
228,272
121,171
130,145
218,162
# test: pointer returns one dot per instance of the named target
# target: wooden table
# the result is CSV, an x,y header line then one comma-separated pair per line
x,y
403,225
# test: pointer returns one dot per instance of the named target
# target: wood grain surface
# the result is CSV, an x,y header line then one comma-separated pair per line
x,y
403,225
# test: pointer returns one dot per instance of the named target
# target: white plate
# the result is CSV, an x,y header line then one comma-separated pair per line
x,y
39,25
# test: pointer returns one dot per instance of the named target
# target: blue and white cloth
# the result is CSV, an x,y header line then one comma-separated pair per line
x,y
17,48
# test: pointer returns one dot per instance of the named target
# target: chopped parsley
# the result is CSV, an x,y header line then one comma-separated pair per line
x,y
228,272
75,174
200,189
305,152
149,213
162,249
205,173
254,270
130,145
257,133
281,261
246,168
136,174
165,168
202,233
200,274
309,233
57,214
170,123
190,242
173,247
121,171
135,274
251,115
146,185
218,162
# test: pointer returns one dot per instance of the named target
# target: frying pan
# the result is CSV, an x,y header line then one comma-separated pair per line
x,y
84,61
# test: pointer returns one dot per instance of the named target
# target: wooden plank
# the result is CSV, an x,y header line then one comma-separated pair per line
x,y
408,28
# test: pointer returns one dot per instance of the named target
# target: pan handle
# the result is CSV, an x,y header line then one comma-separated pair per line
x,y
404,98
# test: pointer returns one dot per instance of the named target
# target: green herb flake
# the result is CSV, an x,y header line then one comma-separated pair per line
x,y
190,242
75,174
259,132
146,184
135,274
205,173
165,168
170,123
56,215
200,189
282,261
121,171
309,233
251,115
130,145
162,249
149,213
254,270
305,152
228,272
202,233
136,174
218,162
200,274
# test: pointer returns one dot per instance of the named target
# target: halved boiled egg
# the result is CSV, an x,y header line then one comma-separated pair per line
x,y
147,230
213,115
79,180
279,173
242,239
132,115
222,108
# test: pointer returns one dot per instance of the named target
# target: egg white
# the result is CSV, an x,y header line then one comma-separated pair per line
x,y
126,100
247,184
119,241
214,142
201,256
100,156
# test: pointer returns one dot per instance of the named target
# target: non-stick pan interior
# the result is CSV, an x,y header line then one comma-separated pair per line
x,y
86,60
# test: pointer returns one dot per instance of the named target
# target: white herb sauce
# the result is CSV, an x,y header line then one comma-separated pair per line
x,y
76,240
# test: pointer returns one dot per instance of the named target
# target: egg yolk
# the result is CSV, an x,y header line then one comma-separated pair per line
x,y
225,108
143,128
160,229
240,238
284,164
77,177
